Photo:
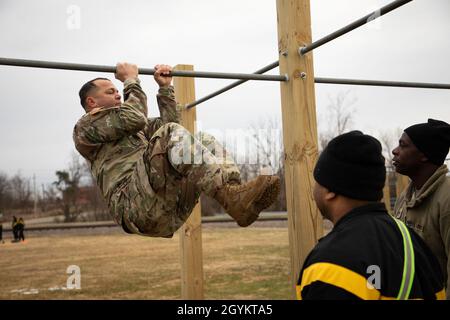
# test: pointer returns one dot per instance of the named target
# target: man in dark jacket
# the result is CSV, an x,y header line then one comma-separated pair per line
x,y
14,230
368,254
20,229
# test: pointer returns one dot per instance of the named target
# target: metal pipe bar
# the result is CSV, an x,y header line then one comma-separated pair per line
x,y
231,86
112,69
356,24
381,83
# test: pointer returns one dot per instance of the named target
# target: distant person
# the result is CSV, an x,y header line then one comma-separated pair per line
x,y
148,168
14,230
425,204
1,228
368,254
20,229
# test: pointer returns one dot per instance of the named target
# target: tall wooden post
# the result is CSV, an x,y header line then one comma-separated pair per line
x,y
299,130
387,193
191,232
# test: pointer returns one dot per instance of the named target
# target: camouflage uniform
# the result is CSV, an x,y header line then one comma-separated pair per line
x,y
150,171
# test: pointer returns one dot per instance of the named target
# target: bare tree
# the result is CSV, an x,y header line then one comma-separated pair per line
x,y
21,190
97,202
267,135
68,184
339,118
76,168
268,138
389,140
5,191
49,199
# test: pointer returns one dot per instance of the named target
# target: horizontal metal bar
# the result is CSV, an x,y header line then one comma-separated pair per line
x,y
381,83
219,75
112,69
331,81
258,73
231,86
356,24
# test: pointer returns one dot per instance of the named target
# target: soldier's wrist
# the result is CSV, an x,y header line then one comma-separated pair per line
x,y
166,90
131,80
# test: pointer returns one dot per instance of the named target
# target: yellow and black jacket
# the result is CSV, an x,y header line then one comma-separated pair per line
x,y
363,258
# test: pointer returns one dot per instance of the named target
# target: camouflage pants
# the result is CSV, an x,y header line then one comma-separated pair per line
x,y
166,185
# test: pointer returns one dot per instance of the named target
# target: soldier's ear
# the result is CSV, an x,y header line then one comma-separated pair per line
x,y
90,103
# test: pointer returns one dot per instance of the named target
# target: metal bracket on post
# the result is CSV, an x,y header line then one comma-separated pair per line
x,y
300,50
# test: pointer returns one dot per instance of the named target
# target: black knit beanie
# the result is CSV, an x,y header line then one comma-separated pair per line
x,y
352,165
432,139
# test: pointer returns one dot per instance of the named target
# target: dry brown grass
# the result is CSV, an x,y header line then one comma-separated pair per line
x,y
251,263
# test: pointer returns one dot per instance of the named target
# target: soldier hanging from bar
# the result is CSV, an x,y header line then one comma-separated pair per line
x,y
148,168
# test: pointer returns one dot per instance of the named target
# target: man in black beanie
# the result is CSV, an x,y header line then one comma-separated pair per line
x,y
364,256
425,204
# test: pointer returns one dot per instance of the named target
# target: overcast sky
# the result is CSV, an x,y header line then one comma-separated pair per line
x,y
40,107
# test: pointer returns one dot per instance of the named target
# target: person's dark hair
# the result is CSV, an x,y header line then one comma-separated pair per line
x,y
86,89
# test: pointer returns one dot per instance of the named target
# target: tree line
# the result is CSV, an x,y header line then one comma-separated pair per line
x,y
72,196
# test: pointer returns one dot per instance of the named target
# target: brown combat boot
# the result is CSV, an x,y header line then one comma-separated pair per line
x,y
244,202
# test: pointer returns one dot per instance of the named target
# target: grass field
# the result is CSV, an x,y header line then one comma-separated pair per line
x,y
250,263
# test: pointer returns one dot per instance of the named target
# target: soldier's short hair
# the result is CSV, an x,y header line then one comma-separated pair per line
x,y
86,89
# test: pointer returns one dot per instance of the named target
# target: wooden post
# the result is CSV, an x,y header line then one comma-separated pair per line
x,y
191,232
299,130
387,193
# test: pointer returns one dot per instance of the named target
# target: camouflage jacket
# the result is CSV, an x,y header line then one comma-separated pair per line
x,y
114,139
